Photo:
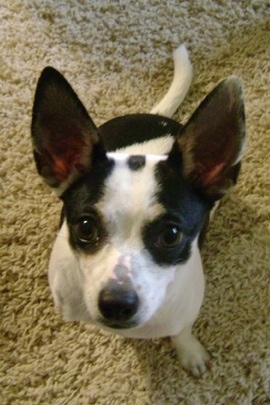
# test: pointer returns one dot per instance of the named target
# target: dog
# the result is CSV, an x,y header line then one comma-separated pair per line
x,y
137,195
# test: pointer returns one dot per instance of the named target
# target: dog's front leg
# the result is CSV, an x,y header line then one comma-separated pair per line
x,y
193,356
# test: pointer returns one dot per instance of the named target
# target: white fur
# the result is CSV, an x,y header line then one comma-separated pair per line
x,y
122,157
180,84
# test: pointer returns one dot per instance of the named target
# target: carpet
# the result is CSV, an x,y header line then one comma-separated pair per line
x,y
117,55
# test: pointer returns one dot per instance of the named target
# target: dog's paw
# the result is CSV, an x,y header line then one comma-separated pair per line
x,y
193,356
196,362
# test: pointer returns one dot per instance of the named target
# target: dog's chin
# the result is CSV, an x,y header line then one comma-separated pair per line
x,y
118,325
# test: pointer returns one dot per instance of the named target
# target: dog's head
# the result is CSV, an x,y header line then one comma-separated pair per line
x,y
131,222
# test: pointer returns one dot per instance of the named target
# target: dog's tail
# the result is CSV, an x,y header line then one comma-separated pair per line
x,y
181,81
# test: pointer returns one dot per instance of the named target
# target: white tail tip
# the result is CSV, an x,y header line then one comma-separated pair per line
x,y
180,84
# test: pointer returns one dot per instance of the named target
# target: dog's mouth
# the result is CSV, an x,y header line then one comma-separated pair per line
x,y
118,325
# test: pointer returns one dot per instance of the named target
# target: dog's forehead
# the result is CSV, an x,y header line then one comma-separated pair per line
x,y
134,174
132,184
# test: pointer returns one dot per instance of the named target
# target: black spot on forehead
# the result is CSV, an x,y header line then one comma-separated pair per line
x,y
136,162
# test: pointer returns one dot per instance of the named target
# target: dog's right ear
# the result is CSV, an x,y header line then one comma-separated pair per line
x,y
65,138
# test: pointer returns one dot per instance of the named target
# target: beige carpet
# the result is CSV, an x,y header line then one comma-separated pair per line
x,y
117,55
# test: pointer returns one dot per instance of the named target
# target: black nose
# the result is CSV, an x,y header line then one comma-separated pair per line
x,y
118,305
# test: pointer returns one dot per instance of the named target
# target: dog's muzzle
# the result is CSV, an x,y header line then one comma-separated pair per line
x,y
118,306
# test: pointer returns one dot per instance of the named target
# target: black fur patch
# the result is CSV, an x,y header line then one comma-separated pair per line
x,y
124,131
162,255
185,207
136,162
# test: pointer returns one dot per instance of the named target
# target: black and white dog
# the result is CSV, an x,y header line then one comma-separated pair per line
x,y
137,193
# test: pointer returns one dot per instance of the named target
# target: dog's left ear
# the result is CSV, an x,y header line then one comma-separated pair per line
x,y
212,141
65,139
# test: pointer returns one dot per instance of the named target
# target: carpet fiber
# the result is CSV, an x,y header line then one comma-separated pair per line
x,y
117,55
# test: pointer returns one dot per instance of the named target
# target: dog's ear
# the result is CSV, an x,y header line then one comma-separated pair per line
x,y
212,141
64,136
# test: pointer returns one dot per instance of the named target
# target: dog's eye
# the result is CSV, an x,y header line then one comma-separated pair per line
x,y
87,230
170,237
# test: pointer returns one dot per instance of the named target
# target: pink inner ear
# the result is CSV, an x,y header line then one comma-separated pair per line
x,y
211,176
67,154
62,167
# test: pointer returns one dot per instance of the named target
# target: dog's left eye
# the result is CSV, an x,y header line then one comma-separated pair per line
x,y
169,237
87,230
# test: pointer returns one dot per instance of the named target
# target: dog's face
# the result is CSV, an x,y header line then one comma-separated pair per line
x,y
130,230
132,222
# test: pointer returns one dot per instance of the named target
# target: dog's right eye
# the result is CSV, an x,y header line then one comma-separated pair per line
x,y
86,231
170,237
